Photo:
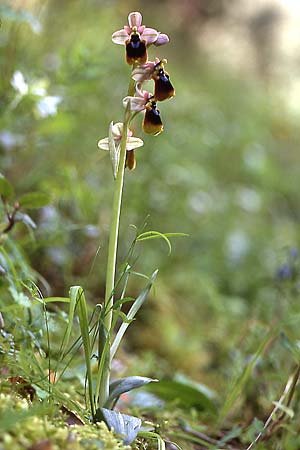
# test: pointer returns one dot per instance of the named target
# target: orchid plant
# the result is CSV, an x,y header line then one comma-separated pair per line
x,y
121,145
120,142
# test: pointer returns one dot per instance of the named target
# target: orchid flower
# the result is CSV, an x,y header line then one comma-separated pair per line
x,y
117,132
144,101
155,70
113,144
136,37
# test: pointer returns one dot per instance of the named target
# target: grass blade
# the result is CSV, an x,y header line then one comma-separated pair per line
x,y
152,435
77,296
243,378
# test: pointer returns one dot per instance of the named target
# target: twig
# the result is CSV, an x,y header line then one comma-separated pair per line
x,y
290,397
10,216
289,391
200,435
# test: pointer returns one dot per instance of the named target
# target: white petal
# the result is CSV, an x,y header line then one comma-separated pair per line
x,y
149,35
134,142
120,37
135,19
103,144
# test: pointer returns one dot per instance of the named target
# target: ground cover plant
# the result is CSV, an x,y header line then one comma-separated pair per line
x,y
219,328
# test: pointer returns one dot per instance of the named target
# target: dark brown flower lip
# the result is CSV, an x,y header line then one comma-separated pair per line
x,y
152,123
136,49
163,87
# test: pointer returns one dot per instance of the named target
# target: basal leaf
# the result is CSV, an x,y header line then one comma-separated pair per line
x,y
126,427
123,385
77,296
184,395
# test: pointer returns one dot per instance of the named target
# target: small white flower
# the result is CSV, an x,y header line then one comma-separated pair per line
x,y
18,83
47,106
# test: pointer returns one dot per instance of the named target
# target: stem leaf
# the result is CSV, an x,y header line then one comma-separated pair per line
x,y
131,314
123,316
120,302
147,235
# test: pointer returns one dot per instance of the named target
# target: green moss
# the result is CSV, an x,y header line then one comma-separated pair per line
x,y
26,430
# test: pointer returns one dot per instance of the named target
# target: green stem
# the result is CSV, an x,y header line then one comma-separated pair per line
x,y
112,251
114,232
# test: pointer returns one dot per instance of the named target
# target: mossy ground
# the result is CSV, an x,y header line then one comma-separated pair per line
x,y
26,429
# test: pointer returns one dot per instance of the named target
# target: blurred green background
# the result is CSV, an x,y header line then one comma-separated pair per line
x,y
225,171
